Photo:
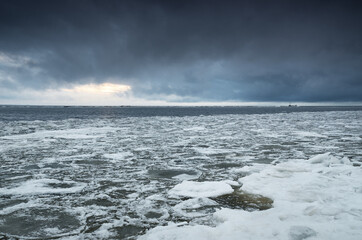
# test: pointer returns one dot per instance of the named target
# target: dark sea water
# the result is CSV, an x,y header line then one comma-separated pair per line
x,y
65,112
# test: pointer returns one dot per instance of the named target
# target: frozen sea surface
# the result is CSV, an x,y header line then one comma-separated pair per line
x,y
260,176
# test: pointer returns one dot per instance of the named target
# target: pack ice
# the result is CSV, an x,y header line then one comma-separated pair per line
x,y
319,198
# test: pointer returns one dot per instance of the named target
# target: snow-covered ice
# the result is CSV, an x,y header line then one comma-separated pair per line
x,y
315,199
201,189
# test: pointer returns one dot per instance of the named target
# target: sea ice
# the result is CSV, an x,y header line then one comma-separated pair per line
x,y
201,189
313,199
185,177
115,174
43,186
301,232
187,208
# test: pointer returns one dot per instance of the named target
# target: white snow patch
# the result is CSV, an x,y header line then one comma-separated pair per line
x,y
232,183
188,207
315,199
327,159
201,189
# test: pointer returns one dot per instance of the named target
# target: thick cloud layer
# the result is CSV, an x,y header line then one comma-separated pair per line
x,y
196,50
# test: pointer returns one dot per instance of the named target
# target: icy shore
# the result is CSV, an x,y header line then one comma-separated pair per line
x,y
315,199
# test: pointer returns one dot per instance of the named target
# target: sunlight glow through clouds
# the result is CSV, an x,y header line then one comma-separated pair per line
x,y
85,94
104,88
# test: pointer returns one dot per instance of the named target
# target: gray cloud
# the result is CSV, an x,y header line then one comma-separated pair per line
x,y
198,50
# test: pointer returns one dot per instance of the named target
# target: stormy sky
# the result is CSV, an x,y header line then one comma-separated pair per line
x,y
180,51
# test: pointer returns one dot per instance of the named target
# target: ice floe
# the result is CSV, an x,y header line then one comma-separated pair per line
x,y
201,189
319,198
43,186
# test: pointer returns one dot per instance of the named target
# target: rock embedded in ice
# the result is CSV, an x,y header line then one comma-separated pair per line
x,y
201,189
244,200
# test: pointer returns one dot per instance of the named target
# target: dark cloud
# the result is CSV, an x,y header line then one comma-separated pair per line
x,y
198,50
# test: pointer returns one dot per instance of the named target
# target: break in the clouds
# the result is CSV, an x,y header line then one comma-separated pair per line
x,y
184,51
